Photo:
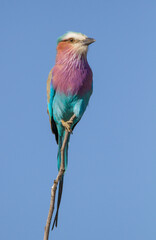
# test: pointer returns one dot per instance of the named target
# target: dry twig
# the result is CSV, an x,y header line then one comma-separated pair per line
x,y
54,187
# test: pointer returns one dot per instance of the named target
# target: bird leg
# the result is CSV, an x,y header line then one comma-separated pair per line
x,y
67,124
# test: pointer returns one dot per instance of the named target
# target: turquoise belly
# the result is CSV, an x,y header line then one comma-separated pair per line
x,y
65,106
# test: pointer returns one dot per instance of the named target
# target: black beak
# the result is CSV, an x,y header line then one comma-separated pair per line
x,y
88,41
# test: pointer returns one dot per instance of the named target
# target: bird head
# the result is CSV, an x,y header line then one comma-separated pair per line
x,y
73,42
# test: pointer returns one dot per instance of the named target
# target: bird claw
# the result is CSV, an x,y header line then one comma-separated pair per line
x,y
67,125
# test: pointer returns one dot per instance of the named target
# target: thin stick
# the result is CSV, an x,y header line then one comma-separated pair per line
x,y
54,187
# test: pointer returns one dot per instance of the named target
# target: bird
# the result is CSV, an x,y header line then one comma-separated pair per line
x,y
69,87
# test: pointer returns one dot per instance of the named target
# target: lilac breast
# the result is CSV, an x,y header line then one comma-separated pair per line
x,y
72,77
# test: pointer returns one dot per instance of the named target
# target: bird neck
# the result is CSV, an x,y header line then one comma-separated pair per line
x,y
72,74
71,58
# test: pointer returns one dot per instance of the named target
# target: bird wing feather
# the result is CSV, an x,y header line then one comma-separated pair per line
x,y
50,98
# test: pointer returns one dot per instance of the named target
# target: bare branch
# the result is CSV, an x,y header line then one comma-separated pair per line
x,y
54,187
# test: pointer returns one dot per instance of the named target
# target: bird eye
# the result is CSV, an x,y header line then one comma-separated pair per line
x,y
71,40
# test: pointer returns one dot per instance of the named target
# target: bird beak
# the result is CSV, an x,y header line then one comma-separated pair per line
x,y
88,41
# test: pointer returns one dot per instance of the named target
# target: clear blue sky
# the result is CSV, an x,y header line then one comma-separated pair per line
x,y
110,185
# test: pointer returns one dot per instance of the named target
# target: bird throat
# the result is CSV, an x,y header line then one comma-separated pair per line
x,y
72,74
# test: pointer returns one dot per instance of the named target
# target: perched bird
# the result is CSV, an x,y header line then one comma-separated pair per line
x,y
69,87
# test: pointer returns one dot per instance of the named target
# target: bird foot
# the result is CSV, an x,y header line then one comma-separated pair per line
x,y
67,125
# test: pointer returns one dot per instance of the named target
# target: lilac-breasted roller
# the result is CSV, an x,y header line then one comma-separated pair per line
x,y
69,87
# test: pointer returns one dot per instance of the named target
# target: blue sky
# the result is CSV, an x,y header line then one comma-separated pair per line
x,y
109,191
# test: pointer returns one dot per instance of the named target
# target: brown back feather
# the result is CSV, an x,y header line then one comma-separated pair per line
x,y
52,122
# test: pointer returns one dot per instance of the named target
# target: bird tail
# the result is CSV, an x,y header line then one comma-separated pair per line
x,y
60,142
62,178
58,202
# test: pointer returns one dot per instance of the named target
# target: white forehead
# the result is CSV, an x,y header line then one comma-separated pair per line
x,y
75,35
